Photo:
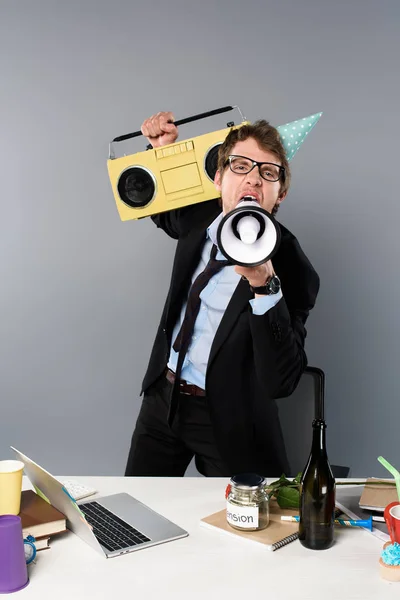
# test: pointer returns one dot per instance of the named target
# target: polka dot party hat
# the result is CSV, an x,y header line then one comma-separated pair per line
x,y
293,134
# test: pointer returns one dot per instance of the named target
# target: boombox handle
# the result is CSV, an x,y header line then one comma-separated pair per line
x,y
211,113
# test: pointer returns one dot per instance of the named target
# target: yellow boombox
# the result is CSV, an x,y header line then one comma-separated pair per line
x,y
162,179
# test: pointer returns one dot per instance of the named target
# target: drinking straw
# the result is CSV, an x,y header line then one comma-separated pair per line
x,y
393,471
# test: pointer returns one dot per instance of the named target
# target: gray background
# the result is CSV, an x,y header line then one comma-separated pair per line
x,y
82,292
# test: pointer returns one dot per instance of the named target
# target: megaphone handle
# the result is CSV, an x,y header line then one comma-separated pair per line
x,y
210,113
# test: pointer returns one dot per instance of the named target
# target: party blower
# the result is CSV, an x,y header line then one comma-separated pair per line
x,y
367,523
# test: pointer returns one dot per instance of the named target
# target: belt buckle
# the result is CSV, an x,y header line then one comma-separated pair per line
x,y
183,385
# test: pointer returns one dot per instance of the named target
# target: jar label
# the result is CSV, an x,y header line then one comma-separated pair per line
x,y
242,516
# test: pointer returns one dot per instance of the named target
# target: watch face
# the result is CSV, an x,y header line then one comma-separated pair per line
x,y
274,285
271,287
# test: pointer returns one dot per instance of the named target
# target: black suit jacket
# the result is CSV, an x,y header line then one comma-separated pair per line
x,y
254,359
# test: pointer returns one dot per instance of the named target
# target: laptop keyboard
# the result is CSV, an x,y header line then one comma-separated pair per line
x,y
111,531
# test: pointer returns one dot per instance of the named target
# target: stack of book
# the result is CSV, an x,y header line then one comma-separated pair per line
x,y
368,501
376,495
40,519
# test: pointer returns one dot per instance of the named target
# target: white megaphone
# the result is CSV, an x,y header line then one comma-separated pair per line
x,y
248,235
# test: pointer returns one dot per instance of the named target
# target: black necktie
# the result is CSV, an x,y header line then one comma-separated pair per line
x,y
184,336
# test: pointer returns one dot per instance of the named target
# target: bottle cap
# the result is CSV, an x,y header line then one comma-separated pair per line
x,y
319,423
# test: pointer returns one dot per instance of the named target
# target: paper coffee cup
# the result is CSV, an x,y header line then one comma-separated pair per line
x,y
10,486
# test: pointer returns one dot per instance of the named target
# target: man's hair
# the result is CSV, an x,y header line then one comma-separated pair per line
x,y
267,137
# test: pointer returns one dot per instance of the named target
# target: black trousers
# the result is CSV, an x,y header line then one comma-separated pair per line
x,y
158,450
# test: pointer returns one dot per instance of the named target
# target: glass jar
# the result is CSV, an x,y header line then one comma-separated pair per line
x,y
247,502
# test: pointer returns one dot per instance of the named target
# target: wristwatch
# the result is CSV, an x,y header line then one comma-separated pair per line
x,y
272,286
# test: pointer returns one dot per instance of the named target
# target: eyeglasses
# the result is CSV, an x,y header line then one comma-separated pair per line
x,y
241,165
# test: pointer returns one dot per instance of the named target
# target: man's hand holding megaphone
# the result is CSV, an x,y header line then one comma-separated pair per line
x,y
257,276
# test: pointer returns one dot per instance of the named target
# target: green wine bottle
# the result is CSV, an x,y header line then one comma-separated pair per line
x,y
317,496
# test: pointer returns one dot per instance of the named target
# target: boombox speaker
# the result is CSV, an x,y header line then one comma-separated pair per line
x,y
175,175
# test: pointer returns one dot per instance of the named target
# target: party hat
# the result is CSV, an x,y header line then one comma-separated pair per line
x,y
293,134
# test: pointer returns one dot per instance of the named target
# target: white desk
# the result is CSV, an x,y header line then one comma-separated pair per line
x,y
205,565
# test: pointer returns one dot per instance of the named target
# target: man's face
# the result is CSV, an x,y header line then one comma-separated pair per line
x,y
234,187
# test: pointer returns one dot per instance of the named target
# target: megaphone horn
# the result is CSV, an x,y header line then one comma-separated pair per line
x,y
248,235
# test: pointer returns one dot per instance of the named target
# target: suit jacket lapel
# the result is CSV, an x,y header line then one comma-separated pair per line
x,y
187,258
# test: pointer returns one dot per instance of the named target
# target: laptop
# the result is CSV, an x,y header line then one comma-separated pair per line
x,y
112,525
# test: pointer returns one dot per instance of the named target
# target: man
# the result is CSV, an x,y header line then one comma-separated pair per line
x,y
214,398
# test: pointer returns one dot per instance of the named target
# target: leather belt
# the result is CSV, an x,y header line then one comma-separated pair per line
x,y
189,389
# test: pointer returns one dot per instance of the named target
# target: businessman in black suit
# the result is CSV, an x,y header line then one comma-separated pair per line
x,y
212,394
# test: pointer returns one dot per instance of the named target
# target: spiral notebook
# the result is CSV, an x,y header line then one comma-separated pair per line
x,y
275,532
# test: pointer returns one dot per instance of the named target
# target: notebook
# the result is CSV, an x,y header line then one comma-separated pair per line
x,y
377,496
112,525
275,532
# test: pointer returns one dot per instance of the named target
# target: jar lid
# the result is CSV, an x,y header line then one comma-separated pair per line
x,y
247,481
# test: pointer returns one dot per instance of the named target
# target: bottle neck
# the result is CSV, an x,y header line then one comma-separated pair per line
x,y
319,438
